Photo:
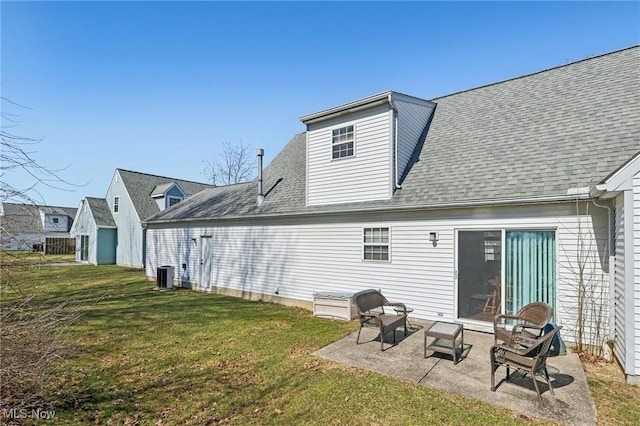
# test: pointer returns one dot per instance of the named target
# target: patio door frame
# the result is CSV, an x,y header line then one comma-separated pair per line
x,y
484,325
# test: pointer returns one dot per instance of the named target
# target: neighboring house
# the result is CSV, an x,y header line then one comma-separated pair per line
x,y
109,230
37,228
95,232
463,206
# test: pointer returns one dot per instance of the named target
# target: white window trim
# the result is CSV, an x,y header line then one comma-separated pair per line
x,y
173,197
503,229
354,140
116,205
388,244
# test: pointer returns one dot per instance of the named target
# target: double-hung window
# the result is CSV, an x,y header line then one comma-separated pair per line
x,y
116,201
342,141
376,244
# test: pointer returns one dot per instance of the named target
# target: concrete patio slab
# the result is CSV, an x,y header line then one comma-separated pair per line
x,y
471,377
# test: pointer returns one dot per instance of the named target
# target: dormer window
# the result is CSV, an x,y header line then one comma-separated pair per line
x,y
174,200
389,127
167,194
342,141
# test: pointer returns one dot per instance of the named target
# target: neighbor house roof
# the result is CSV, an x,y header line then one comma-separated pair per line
x,y
101,212
25,218
140,187
62,211
528,139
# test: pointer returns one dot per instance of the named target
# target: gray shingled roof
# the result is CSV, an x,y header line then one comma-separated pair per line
x,y
63,211
21,218
160,189
101,212
140,186
525,140
25,218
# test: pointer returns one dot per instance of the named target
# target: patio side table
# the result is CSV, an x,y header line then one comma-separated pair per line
x,y
406,311
445,339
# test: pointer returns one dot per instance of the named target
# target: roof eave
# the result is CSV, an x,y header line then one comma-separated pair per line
x,y
368,102
487,203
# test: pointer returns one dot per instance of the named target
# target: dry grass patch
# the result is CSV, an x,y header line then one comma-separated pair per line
x,y
617,402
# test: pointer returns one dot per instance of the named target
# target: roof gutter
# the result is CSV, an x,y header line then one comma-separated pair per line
x,y
488,203
597,190
371,101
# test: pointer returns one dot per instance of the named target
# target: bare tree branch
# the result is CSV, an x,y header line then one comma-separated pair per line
x,y
16,157
30,330
234,166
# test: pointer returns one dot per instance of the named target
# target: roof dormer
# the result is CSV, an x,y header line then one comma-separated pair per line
x,y
167,194
360,151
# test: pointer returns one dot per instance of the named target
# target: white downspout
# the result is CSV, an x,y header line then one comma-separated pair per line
x,y
395,143
611,219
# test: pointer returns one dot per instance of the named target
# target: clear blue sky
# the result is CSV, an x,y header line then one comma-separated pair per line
x,y
157,87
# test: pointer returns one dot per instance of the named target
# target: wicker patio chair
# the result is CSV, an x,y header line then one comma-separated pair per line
x,y
528,323
370,305
528,360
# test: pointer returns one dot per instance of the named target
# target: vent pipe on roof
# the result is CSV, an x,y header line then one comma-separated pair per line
x,y
260,191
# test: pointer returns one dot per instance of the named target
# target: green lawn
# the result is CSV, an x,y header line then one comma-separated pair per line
x,y
139,356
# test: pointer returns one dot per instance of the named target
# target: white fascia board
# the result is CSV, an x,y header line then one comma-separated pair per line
x,y
326,114
368,102
77,216
621,179
396,96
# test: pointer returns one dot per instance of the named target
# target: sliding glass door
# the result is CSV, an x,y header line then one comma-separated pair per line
x,y
479,274
527,262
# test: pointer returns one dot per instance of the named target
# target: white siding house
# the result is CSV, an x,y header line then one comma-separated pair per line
x,y
95,232
36,227
291,260
130,245
443,204
109,230
624,187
